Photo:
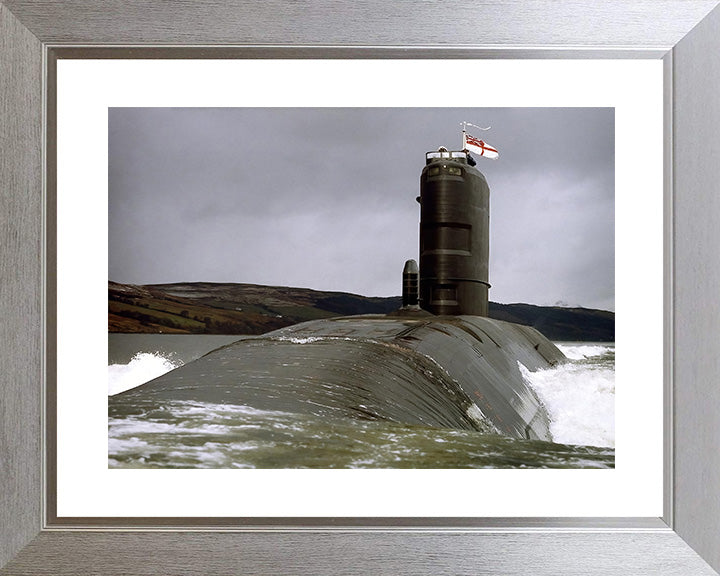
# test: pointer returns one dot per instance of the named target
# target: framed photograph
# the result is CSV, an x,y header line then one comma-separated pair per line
x,y
70,65
275,232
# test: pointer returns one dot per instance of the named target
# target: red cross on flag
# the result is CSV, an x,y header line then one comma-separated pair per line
x,y
479,147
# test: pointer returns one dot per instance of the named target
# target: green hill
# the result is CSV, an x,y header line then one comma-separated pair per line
x,y
217,308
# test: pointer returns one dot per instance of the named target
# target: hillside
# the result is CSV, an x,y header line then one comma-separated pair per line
x,y
209,308
559,324
212,308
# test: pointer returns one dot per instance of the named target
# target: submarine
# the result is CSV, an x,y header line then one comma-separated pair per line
x,y
438,361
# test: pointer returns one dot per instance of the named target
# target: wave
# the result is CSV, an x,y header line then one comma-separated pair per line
x,y
579,397
209,435
143,367
583,351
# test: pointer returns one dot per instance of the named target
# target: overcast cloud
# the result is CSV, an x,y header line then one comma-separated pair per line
x,y
325,198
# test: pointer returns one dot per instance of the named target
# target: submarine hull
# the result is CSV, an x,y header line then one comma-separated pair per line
x,y
449,372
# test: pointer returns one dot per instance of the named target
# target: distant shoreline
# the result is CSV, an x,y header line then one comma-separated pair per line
x,y
227,308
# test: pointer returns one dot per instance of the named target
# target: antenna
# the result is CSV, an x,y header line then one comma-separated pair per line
x,y
464,124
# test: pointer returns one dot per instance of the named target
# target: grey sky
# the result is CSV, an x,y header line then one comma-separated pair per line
x,y
324,198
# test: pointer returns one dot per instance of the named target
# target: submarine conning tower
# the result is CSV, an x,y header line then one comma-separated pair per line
x,y
454,235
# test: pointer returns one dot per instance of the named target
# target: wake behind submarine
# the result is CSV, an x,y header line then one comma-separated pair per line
x,y
438,361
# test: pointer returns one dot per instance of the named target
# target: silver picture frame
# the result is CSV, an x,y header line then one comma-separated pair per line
x,y
684,34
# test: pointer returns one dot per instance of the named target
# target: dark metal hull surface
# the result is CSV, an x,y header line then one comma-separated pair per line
x,y
450,372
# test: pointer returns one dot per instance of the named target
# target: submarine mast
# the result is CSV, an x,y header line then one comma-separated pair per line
x,y
454,235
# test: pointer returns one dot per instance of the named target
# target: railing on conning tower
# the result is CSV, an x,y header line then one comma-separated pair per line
x,y
439,154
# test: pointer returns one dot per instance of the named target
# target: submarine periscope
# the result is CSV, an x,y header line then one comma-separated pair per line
x,y
438,361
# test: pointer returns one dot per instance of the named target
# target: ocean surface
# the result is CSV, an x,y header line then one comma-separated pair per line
x,y
579,397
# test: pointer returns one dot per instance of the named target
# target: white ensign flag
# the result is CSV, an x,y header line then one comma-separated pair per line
x,y
478,146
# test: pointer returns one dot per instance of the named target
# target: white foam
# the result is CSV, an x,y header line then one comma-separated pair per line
x,y
311,339
296,340
143,367
583,351
119,445
580,400
202,409
140,426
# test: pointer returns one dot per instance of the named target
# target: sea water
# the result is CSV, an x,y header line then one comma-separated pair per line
x,y
579,397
